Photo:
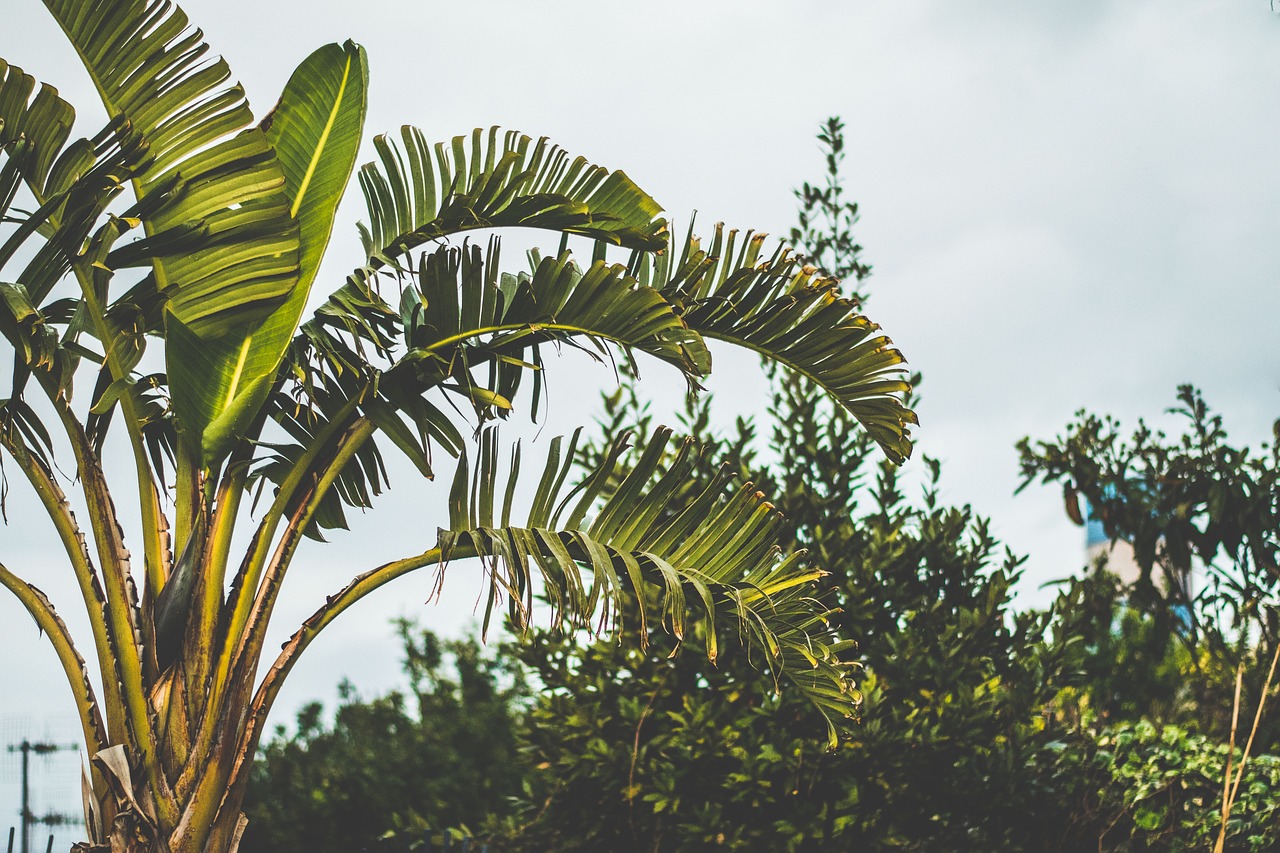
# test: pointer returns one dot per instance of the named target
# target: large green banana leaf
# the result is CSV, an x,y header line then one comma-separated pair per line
x,y
153,70
315,131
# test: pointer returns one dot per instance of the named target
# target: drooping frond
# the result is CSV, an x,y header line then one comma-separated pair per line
x,y
34,340
418,192
793,315
714,568
68,221
329,378
461,313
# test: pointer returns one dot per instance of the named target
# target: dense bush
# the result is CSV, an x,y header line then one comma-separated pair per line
x,y
628,755
443,755
1137,786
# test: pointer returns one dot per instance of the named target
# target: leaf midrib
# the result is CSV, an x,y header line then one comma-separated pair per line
x,y
324,138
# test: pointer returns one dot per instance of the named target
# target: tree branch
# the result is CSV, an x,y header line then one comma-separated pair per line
x,y
90,278
200,642
249,577
264,602
334,606
122,613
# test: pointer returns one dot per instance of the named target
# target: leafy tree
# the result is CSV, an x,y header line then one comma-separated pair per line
x,y
1160,655
441,756
825,220
629,756
232,218
1131,667
1203,517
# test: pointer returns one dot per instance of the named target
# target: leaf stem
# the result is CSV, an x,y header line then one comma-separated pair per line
x,y
73,665
73,541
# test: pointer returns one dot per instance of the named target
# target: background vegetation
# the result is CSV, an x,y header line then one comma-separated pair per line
x,y
1100,723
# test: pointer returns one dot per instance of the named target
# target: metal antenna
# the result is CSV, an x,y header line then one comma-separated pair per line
x,y
29,819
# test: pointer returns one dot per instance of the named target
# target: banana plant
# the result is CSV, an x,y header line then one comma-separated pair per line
x,y
156,289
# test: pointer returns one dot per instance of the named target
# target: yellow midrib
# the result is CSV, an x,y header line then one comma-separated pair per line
x,y
293,211
324,138
237,373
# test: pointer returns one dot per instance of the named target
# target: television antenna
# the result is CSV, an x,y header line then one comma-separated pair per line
x,y
29,818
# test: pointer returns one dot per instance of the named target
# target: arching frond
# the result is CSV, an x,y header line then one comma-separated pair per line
x,y
714,568
458,316
461,313
793,315
418,192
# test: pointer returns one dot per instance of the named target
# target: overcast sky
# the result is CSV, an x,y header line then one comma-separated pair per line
x,y
1066,204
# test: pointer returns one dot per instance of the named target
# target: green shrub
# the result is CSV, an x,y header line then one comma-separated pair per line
x,y
1142,787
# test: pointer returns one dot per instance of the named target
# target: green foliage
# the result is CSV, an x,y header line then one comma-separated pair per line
x,y
826,220
628,754
1098,725
1138,786
1132,664
1203,517
1160,655
1191,502
232,217
442,756
648,752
